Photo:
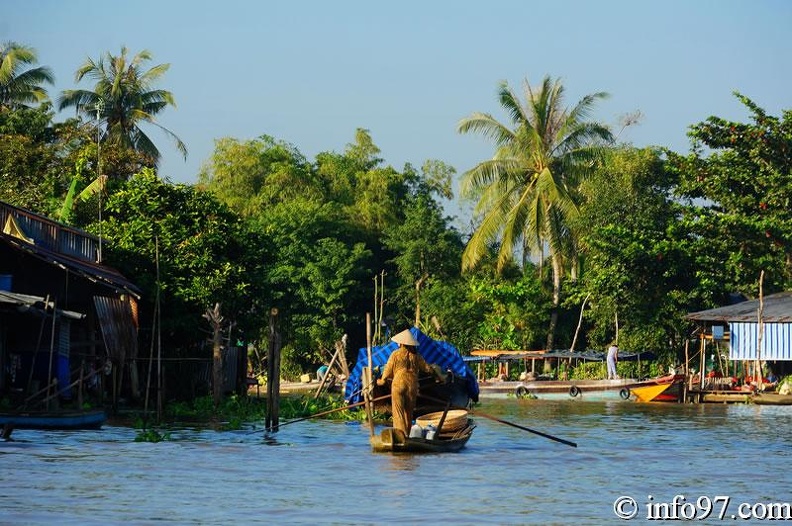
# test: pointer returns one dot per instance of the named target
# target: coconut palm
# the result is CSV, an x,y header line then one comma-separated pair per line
x,y
20,87
526,192
122,99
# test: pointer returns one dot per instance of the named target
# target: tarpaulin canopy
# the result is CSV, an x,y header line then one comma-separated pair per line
x,y
441,353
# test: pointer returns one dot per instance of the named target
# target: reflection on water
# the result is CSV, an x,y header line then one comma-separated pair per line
x,y
324,473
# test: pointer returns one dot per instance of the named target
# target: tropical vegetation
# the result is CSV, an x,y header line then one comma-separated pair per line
x,y
527,190
578,239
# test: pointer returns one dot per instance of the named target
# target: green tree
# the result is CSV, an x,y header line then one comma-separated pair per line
x,y
512,310
250,176
20,87
738,177
206,256
527,190
637,270
123,98
425,248
314,274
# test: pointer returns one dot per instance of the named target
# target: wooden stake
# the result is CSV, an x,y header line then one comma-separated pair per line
x,y
758,376
273,375
369,376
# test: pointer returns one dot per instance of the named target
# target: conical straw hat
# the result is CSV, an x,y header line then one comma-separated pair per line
x,y
405,338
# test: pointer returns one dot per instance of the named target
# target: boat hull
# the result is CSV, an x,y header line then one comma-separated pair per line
x,y
772,399
54,419
391,440
648,393
578,390
585,390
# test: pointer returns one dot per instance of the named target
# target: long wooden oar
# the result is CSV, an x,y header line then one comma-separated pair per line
x,y
323,413
535,432
512,424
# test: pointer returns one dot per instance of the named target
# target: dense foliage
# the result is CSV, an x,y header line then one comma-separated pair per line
x,y
639,237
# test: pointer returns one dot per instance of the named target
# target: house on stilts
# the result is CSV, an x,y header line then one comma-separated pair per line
x,y
67,321
740,344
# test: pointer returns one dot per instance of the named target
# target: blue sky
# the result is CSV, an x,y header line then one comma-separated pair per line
x,y
312,72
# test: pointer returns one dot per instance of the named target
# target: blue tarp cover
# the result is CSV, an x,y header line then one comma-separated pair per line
x,y
437,352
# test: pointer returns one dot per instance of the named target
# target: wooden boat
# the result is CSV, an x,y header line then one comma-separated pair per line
x,y
461,386
647,393
661,389
392,440
53,419
771,399
583,390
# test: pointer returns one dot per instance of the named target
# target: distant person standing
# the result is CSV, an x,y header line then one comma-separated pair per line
x,y
613,357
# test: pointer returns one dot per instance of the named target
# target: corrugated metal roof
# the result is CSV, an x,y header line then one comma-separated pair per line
x,y
777,308
26,302
93,272
118,329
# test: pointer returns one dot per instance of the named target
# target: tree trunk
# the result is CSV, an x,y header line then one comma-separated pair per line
x,y
418,285
557,273
217,366
216,321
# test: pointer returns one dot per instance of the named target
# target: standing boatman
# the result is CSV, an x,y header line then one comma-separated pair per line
x,y
613,357
403,367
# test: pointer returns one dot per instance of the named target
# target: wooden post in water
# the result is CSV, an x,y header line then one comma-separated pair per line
x,y
687,372
758,376
273,374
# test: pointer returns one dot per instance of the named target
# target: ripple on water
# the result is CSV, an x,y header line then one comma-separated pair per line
x,y
323,472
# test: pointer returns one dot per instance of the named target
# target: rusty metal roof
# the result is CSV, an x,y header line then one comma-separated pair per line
x,y
776,308
94,272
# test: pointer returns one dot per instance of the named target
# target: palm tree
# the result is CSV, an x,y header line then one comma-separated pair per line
x,y
526,192
122,99
18,88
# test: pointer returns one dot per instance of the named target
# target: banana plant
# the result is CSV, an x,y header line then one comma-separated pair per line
x,y
96,186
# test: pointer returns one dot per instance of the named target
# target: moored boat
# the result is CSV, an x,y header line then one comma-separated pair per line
x,y
771,399
583,390
647,393
65,420
662,389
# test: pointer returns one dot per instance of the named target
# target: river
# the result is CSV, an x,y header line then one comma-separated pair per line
x,y
322,472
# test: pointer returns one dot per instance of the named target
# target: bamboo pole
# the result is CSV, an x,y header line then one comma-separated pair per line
x,y
758,376
151,361
160,387
273,374
52,349
38,345
687,371
370,377
381,304
580,323
703,361
326,377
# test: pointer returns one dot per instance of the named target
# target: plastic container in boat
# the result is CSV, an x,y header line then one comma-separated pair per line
x,y
416,431
430,431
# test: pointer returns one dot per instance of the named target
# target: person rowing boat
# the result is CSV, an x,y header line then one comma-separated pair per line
x,y
402,368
